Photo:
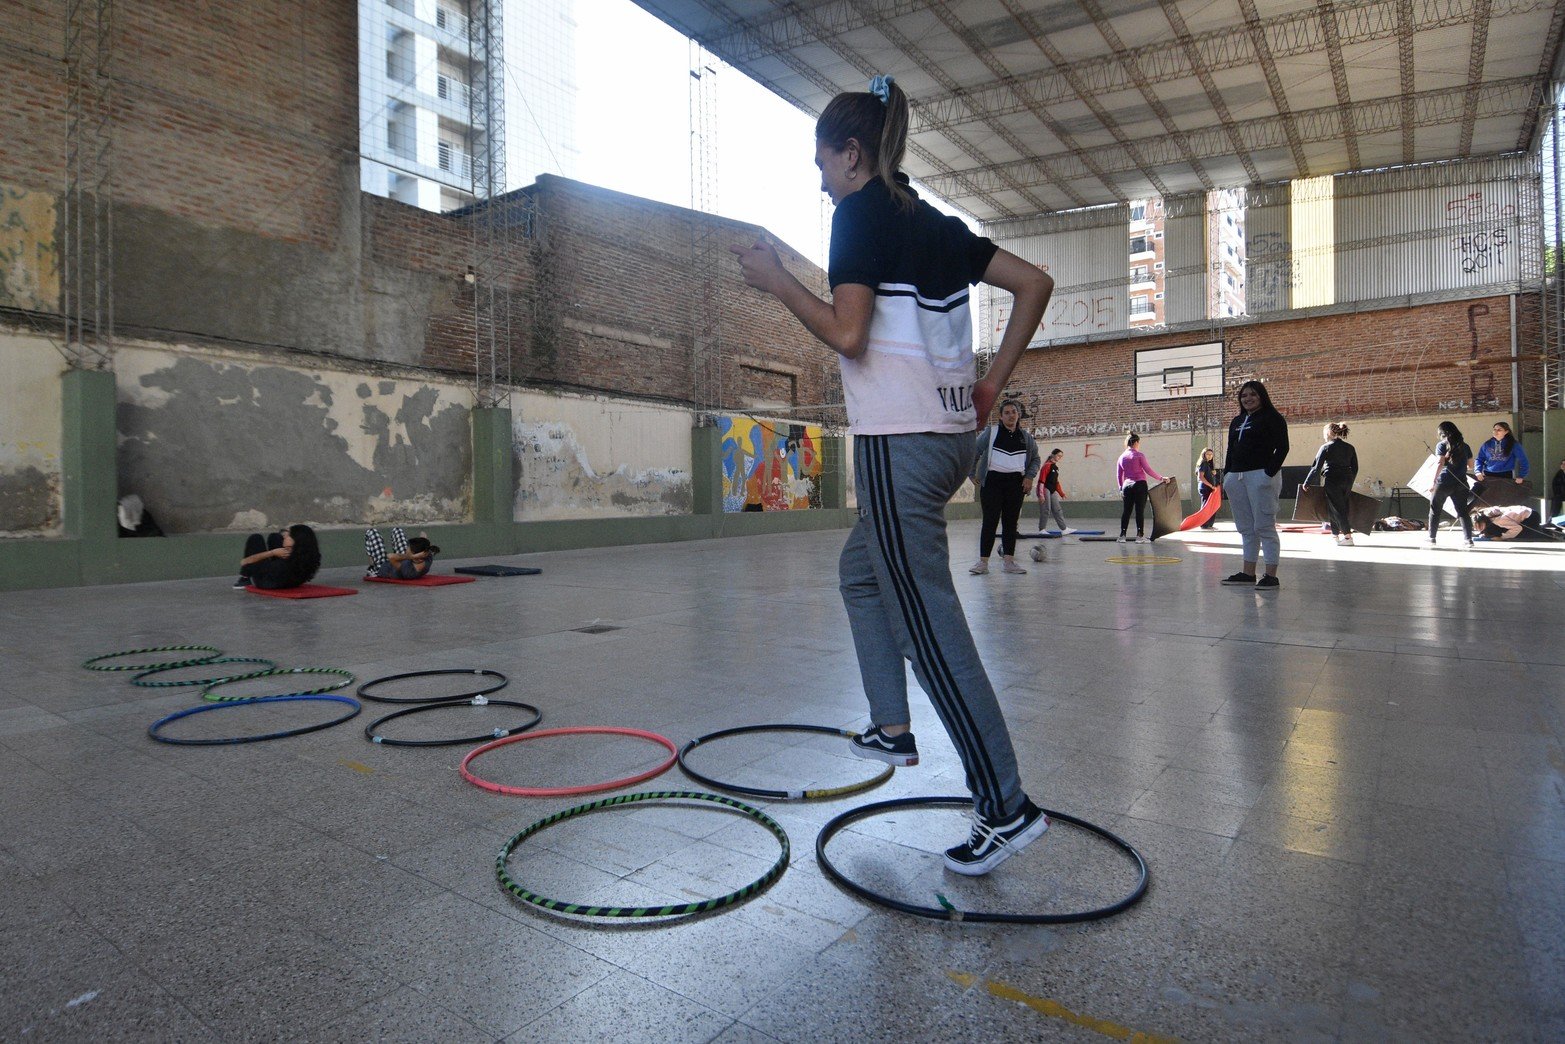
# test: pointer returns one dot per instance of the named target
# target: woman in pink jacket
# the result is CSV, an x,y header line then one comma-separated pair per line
x,y
1131,473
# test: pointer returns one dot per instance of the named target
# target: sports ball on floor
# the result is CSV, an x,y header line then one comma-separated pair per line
x,y
1037,553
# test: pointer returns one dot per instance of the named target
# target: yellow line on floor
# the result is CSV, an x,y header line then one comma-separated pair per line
x,y
357,766
1056,1010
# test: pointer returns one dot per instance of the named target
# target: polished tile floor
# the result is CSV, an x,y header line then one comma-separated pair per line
x,y
1351,794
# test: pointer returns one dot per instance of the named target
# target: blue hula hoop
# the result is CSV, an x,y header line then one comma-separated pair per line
x,y
152,730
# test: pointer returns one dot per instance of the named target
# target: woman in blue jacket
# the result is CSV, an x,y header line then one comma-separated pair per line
x,y
1502,457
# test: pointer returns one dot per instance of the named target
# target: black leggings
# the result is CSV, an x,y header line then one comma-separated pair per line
x,y
1135,494
1001,497
270,574
1337,507
1460,497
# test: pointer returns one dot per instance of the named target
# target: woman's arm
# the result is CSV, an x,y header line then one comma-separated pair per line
x,y
1030,288
262,556
842,324
1279,447
1521,465
1320,461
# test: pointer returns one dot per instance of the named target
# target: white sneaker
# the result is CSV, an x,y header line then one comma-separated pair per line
x,y
1067,531
979,568
1346,541
1008,565
1121,539
1141,540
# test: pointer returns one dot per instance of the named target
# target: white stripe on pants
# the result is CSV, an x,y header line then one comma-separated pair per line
x,y
1252,497
902,605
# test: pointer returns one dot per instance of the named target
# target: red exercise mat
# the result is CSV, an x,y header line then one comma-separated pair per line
x,y
423,581
302,591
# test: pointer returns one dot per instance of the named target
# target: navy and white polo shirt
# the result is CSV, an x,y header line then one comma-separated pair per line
x,y
919,370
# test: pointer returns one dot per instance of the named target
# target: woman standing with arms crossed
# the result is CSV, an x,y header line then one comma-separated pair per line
x,y
1003,470
1131,472
899,319
1252,482
1337,464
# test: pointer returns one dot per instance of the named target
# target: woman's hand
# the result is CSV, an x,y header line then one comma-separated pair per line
x,y
282,552
1520,481
1026,485
761,266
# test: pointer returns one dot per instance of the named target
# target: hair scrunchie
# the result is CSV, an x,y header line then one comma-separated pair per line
x,y
880,87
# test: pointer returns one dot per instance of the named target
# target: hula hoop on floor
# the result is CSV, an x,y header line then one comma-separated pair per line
x,y
188,682
585,910
152,730
580,730
950,913
94,664
347,679
778,795
364,693
477,701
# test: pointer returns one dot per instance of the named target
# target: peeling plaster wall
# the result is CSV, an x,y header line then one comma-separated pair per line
x,y
30,437
232,442
29,268
591,457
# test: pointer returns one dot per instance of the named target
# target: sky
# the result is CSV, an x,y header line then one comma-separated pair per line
x,y
633,128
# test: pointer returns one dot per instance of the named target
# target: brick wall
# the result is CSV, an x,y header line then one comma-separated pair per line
x,y
1448,357
232,111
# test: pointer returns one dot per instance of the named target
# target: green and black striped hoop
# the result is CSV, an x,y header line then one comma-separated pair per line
x,y
96,663
185,683
209,693
676,910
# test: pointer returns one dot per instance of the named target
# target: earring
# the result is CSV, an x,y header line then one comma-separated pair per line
x,y
852,174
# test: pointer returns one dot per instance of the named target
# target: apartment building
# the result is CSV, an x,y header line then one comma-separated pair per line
x,y
419,129
1224,252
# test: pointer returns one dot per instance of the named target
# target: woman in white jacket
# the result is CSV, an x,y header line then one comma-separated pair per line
x,y
1004,466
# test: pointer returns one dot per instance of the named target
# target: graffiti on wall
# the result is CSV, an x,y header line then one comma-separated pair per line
x,y
1484,248
769,466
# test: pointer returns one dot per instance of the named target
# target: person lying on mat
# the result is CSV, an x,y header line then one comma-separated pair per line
x,y
409,559
1502,523
290,558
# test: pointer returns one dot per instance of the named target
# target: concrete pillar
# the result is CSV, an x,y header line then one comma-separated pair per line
x,y
1547,463
494,480
706,471
88,474
834,471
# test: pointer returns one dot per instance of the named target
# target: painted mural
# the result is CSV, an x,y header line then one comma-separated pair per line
x,y
770,465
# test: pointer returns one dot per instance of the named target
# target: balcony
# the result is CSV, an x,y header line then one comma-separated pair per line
x,y
456,161
453,22
454,91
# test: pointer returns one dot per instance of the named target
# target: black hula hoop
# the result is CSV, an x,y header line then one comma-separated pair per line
x,y
185,683
152,730
94,665
456,697
581,909
477,701
279,672
950,913
778,795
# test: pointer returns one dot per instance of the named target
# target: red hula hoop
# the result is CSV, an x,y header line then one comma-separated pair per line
x,y
591,788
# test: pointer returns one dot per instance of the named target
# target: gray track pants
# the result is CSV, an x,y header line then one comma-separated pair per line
x,y
902,606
